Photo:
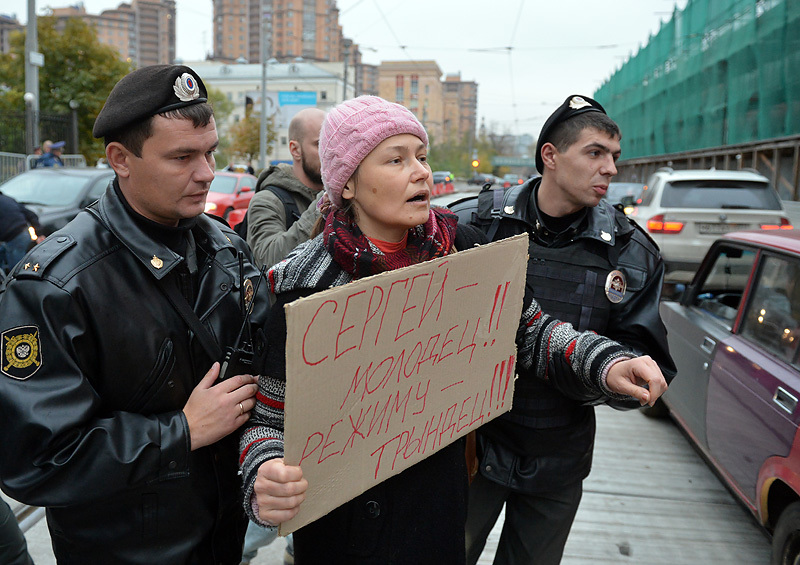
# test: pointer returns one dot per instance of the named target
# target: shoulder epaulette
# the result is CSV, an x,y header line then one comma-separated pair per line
x,y
35,263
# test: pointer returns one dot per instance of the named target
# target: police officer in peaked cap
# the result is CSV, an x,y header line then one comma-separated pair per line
x,y
112,414
590,266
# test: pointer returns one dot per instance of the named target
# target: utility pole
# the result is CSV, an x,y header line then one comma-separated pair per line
x,y
266,35
33,60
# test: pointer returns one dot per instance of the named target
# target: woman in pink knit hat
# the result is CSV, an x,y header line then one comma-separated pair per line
x,y
377,217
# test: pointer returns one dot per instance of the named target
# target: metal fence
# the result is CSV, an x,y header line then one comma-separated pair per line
x,y
12,164
51,126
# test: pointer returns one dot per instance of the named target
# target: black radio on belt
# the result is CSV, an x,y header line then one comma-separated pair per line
x,y
238,359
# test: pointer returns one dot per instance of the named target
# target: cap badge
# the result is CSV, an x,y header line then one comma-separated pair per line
x,y
186,88
577,102
22,353
615,286
156,262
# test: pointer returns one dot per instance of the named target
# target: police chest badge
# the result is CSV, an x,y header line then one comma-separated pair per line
x,y
615,286
22,352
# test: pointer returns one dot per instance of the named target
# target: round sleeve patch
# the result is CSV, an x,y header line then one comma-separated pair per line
x,y
22,352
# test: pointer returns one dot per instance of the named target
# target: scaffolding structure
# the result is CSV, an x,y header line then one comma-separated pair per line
x,y
719,73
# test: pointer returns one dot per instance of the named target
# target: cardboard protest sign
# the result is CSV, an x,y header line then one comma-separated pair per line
x,y
385,371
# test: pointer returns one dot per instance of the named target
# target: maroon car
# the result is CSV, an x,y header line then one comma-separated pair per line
x,y
735,336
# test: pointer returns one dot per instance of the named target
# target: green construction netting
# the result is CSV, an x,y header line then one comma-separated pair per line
x,y
720,72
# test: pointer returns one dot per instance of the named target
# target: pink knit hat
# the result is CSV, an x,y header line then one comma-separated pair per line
x,y
354,128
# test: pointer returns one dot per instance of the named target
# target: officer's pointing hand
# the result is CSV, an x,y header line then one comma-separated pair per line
x,y
630,377
215,410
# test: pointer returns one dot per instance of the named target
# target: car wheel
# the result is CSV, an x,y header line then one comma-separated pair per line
x,y
786,539
658,410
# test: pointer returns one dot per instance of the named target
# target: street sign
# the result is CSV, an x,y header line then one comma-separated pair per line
x,y
499,161
36,58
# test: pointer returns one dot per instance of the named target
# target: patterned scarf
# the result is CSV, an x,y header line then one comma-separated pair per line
x,y
358,256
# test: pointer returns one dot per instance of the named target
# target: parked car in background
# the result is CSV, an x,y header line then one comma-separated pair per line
x,y
56,195
443,182
510,180
619,191
685,211
735,338
481,179
230,191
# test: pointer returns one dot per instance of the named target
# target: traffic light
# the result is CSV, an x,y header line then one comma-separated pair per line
x,y
475,163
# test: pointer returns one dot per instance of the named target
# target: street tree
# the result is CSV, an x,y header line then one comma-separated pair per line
x,y
245,137
78,67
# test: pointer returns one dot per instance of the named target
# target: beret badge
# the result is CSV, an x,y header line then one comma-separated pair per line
x,y
576,103
186,88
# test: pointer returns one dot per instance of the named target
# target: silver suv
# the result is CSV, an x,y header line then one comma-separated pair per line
x,y
686,211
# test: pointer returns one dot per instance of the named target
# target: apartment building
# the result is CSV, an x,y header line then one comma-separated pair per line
x,y
142,31
417,85
294,28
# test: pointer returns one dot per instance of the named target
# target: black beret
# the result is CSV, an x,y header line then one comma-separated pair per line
x,y
574,105
146,92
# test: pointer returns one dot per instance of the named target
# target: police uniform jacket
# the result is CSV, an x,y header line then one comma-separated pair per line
x,y
97,366
601,274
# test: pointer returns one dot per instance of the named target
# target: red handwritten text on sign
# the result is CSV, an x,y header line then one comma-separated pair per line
x,y
385,371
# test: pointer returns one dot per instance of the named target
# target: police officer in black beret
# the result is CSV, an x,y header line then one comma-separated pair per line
x,y
590,266
111,411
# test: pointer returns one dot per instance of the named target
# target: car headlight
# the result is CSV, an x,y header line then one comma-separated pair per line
x,y
211,206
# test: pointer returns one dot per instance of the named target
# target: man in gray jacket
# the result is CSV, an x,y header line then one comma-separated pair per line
x,y
270,233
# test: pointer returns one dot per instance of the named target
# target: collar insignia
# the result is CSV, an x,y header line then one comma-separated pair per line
x,y
615,286
605,236
156,262
576,103
508,210
186,88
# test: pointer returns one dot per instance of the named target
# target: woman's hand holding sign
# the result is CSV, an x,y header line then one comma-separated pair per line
x,y
279,489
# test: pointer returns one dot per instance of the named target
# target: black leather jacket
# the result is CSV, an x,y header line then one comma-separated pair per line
x,y
546,441
96,369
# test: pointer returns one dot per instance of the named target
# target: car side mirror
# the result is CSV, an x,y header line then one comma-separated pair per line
x,y
627,200
246,189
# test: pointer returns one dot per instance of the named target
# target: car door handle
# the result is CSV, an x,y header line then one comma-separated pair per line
x,y
785,400
708,345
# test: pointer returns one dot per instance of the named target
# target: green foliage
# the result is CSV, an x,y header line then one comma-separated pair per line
x,y
222,106
77,67
245,137
456,156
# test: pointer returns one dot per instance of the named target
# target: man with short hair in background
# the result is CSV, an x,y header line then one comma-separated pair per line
x,y
272,232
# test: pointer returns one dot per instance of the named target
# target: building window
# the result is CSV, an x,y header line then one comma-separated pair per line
x,y
414,86
284,141
399,95
323,95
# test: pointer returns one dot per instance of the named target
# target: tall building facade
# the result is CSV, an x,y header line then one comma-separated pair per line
x,y
417,85
460,107
143,31
295,28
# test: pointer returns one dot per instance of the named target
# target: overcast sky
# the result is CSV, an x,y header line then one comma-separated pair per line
x,y
527,56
